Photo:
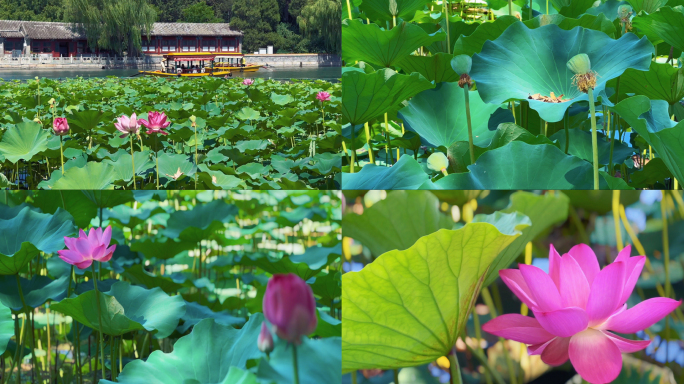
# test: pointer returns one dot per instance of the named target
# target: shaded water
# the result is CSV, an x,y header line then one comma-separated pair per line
x,y
323,73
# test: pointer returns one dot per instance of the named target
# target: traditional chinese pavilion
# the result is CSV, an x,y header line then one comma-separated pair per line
x,y
64,40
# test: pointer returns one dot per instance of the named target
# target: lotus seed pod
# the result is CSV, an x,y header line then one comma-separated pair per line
x,y
462,64
438,162
624,11
193,118
51,101
544,20
393,8
579,64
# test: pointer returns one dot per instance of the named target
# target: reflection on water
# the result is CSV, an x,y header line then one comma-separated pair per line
x,y
323,73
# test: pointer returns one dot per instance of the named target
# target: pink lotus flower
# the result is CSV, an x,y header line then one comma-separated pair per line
x,y
289,306
575,306
85,249
127,125
156,123
265,339
323,96
248,82
60,126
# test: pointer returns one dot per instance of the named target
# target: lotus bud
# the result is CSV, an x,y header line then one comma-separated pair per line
x,y
462,64
60,126
265,340
438,162
290,307
393,8
584,77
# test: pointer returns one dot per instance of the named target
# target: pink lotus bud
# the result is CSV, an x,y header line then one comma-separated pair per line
x,y
289,306
60,126
248,82
577,306
323,96
85,249
155,123
265,340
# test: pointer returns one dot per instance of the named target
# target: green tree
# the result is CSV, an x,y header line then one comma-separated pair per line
x,y
200,13
258,20
321,20
113,24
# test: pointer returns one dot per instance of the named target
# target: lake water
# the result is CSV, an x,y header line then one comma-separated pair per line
x,y
323,73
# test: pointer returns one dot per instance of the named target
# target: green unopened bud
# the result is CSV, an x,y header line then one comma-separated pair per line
x,y
624,11
579,64
462,64
438,162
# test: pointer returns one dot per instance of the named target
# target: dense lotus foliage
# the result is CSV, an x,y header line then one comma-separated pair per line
x,y
513,287
179,133
494,87
155,286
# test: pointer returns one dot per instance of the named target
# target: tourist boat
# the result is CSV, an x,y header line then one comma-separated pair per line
x,y
199,64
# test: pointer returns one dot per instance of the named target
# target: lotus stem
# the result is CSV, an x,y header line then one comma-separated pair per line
x,y
547,7
156,156
454,368
510,7
370,148
566,124
470,127
513,111
666,242
478,337
355,380
349,9
353,149
21,336
448,41
61,152
112,353
530,19
396,376
388,147
594,137
133,163
295,368
99,315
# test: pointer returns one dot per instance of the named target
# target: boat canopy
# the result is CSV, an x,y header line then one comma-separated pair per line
x,y
191,58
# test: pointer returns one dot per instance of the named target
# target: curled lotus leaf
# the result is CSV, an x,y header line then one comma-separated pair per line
x,y
524,62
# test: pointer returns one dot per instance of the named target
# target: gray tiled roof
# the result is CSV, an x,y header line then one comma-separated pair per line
x,y
51,30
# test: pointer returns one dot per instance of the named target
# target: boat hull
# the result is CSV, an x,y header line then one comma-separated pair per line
x,y
164,74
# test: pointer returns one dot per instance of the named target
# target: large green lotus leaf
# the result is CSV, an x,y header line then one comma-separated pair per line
x,y
306,265
599,201
171,163
195,312
383,227
123,169
596,22
648,6
85,121
205,356
405,174
23,141
27,232
609,8
534,167
544,211
109,199
126,308
439,116
82,210
93,175
396,310
660,82
472,43
137,275
319,361
651,120
162,249
383,48
580,146
36,291
654,171
367,96
6,327
200,222
153,308
379,10
665,25
524,62
574,8
435,68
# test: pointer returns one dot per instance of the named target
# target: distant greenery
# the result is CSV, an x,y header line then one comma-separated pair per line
x,y
295,26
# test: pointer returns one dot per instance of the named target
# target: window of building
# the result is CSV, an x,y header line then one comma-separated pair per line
x,y
80,48
209,45
168,45
189,45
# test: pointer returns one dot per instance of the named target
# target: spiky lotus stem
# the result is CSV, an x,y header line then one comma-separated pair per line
x,y
585,80
462,64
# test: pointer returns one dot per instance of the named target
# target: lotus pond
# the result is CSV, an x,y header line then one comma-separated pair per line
x,y
513,287
513,95
216,134
172,287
